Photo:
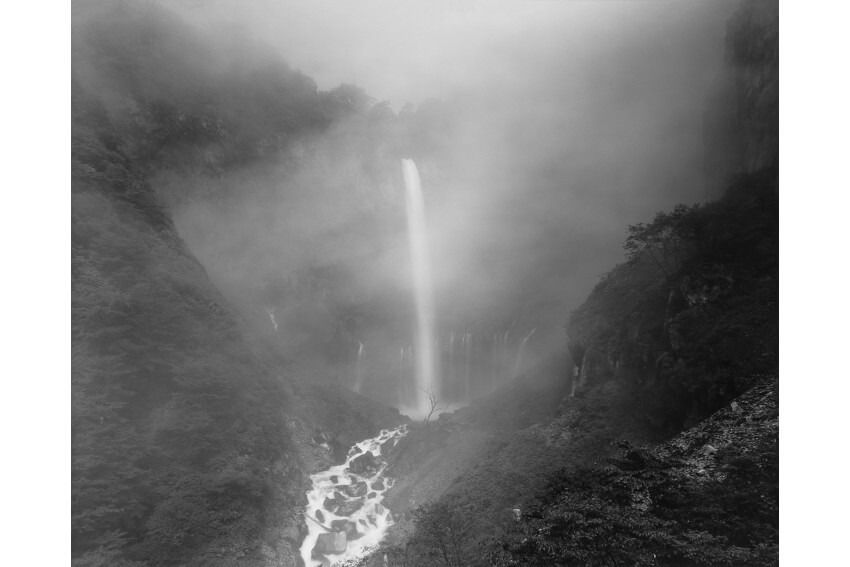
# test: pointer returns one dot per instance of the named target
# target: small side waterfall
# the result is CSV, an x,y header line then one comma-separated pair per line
x,y
423,290
521,352
271,311
467,340
358,369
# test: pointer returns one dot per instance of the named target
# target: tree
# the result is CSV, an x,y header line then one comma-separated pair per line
x,y
433,402
443,530
665,240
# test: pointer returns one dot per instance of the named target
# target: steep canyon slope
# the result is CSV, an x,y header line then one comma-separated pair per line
x,y
190,445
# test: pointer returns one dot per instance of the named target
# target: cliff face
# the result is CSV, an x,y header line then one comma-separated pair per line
x,y
693,331
741,124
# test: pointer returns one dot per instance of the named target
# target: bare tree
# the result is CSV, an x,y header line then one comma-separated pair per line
x,y
433,402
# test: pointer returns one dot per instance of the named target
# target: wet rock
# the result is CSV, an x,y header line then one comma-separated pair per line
x,y
356,489
331,504
320,516
334,542
334,479
736,408
378,484
708,450
347,526
371,495
365,464
349,507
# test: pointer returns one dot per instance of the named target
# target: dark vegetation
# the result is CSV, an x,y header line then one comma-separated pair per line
x,y
692,317
708,497
188,446
177,429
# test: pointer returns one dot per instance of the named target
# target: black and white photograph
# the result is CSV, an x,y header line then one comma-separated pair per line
x,y
413,283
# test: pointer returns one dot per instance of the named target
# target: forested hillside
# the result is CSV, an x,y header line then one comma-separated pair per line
x,y
188,446
178,430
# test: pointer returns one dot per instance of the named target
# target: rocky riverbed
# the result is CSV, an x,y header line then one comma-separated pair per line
x,y
345,514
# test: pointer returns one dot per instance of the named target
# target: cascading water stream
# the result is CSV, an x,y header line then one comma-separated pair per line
x,y
358,369
423,291
344,513
467,339
521,352
271,311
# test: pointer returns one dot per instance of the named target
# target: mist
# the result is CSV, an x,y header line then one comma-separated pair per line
x,y
549,127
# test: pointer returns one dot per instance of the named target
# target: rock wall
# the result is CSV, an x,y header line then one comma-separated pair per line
x,y
741,122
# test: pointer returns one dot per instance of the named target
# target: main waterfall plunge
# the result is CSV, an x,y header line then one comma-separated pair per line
x,y
456,366
417,230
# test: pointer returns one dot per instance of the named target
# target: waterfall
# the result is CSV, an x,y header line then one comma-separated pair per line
x,y
520,352
271,311
358,369
423,292
448,374
402,382
467,338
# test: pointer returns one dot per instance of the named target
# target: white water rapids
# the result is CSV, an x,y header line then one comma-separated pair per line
x,y
346,505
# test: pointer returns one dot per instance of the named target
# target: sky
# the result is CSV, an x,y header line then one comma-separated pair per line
x,y
408,51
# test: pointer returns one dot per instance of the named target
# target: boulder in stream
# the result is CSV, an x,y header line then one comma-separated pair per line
x,y
349,507
347,526
356,489
365,464
378,484
333,542
331,504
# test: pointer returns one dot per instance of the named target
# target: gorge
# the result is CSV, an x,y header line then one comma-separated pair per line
x,y
531,319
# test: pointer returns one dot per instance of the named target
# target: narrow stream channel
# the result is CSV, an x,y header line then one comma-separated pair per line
x,y
344,513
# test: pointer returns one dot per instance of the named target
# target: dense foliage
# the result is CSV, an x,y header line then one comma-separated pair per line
x,y
684,503
692,317
177,429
